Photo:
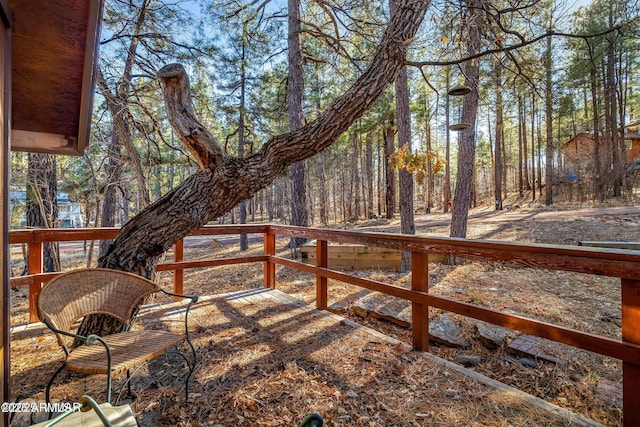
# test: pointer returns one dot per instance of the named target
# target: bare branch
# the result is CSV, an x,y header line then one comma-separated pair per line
x,y
177,95
550,33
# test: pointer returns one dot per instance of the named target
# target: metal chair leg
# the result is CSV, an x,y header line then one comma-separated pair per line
x,y
192,367
47,393
128,383
129,386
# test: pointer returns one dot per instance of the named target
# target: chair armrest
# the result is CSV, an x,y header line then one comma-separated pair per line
x,y
194,299
88,340
61,332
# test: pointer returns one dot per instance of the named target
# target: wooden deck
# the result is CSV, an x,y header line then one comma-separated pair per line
x,y
267,358
279,358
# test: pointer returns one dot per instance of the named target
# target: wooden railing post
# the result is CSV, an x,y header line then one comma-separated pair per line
x,y
35,267
322,260
269,266
630,371
178,273
420,312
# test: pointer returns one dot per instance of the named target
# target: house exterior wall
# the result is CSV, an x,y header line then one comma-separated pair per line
x,y
633,150
578,155
69,212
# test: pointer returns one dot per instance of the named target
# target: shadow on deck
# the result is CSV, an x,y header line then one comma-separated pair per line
x,y
269,359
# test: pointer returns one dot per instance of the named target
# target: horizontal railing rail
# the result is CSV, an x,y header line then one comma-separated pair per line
x,y
616,263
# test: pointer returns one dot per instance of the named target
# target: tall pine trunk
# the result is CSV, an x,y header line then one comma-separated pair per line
x,y
612,87
446,187
549,123
368,172
244,239
42,203
390,173
467,139
498,171
533,147
112,181
295,96
403,114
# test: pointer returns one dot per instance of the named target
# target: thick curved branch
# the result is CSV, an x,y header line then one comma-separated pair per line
x,y
216,189
177,97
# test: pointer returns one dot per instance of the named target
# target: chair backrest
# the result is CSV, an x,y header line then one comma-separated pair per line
x,y
78,293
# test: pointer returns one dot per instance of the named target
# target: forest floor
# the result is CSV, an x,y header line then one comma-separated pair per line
x,y
585,383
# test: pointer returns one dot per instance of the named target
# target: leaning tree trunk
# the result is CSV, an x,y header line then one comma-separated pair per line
x,y
223,181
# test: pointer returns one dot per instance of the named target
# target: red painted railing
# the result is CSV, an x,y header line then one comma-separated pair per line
x,y
621,264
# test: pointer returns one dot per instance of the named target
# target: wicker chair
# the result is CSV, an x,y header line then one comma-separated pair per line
x,y
71,296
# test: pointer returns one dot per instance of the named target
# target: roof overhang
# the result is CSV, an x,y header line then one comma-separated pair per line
x,y
54,56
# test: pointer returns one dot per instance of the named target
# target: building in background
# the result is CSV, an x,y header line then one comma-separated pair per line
x,y
69,211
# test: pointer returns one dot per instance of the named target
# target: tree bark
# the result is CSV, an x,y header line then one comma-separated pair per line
x,y
390,173
499,134
403,114
381,161
446,187
520,151
324,194
355,176
368,172
430,175
467,140
117,104
112,172
224,181
611,87
295,97
597,160
244,239
549,124
42,204
270,209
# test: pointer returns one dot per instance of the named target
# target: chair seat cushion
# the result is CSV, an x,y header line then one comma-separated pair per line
x,y
128,350
120,416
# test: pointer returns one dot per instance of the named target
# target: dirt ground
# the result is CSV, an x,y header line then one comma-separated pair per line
x,y
588,303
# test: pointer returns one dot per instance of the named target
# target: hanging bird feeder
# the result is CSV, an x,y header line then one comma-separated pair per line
x,y
458,127
459,90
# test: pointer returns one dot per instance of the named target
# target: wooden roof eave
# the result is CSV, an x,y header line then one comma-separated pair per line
x,y
54,117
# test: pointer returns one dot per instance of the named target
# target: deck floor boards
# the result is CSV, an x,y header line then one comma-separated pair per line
x,y
266,358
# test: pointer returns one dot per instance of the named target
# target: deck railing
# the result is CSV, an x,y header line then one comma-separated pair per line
x,y
621,264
